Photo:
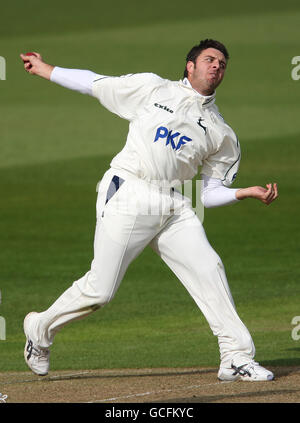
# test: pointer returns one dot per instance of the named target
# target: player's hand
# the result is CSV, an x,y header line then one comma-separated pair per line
x,y
31,62
35,65
265,195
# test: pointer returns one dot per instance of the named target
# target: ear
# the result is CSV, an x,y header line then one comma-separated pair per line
x,y
190,66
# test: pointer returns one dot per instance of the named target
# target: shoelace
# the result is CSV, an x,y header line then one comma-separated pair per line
x,y
244,369
41,353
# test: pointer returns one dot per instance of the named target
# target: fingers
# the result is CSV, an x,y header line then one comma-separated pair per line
x,y
37,55
30,60
31,54
265,195
271,194
26,58
27,61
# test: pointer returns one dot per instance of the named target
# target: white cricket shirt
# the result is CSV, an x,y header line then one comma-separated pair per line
x,y
173,129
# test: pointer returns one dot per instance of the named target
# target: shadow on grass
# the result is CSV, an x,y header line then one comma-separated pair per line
x,y
284,366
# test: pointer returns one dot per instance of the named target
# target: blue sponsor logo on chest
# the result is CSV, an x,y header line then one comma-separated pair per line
x,y
174,139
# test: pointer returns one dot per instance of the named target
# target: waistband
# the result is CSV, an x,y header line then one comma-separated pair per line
x,y
162,185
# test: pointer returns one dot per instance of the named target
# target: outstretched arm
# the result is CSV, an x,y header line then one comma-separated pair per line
x,y
73,79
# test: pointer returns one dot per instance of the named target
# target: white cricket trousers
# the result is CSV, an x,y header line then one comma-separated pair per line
x,y
131,214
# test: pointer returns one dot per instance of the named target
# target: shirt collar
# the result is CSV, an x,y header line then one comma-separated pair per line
x,y
205,100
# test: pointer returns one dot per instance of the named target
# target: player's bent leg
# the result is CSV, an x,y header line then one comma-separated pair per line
x,y
95,289
184,247
119,238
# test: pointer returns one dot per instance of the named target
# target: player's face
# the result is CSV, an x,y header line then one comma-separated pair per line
x,y
207,73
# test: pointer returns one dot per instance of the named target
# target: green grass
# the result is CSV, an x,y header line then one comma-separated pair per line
x,y
56,144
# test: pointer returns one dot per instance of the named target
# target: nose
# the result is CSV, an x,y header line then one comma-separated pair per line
x,y
216,64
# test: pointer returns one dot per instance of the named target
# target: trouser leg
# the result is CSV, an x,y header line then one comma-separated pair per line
x,y
184,247
119,238
92,291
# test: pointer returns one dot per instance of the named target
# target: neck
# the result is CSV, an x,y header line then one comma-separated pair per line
x,y
206,93
202,91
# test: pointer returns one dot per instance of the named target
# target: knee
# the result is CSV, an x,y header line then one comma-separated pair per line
x,y
93,287
102,294
100,299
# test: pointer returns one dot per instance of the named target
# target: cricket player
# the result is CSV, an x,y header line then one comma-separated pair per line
x,y
174,128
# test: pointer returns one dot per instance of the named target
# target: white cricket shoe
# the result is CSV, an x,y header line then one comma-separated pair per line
x,y
251,372
36,358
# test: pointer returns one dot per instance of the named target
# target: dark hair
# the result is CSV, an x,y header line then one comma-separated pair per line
x,y
203,45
